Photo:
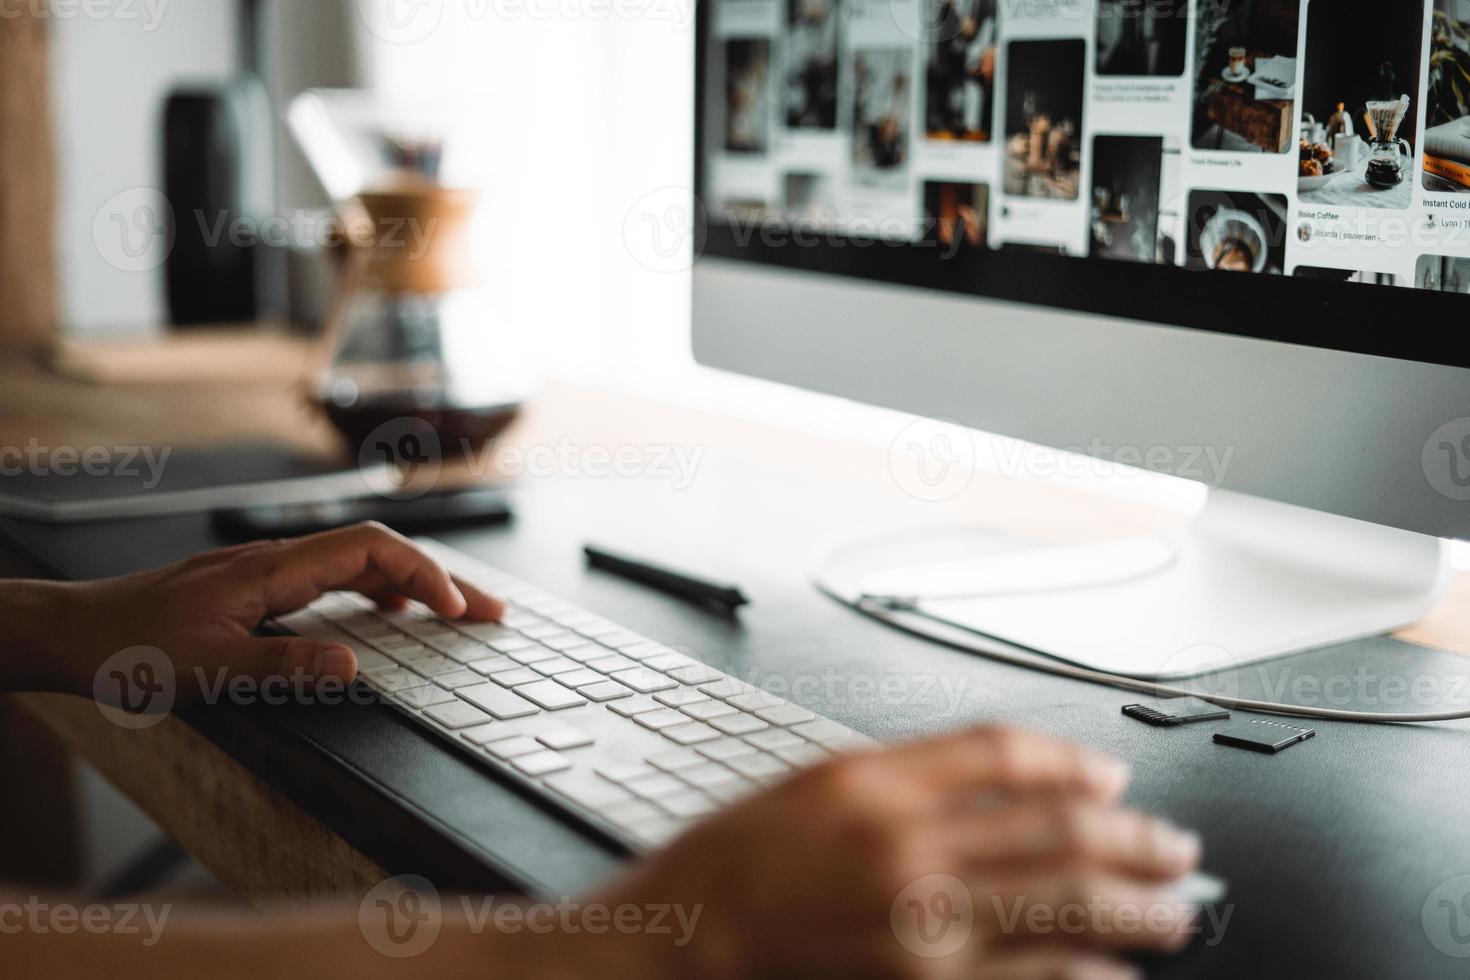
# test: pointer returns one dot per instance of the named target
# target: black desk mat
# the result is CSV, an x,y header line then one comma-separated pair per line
x,y
1337,851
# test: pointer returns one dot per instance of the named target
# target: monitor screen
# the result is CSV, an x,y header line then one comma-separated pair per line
x,y
1274,168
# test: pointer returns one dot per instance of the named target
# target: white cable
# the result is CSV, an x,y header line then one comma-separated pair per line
x,y
895,614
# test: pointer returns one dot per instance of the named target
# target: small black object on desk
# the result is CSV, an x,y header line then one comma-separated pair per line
x,y
726,598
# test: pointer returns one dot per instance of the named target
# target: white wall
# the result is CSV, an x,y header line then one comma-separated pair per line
x,y
587,114
109,77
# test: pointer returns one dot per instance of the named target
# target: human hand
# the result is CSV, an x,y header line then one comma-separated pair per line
x,y
201,612
832,872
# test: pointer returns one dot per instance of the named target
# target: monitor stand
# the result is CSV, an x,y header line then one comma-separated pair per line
x,y
1248,580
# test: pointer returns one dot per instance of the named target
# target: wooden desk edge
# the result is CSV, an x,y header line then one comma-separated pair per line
x,y
241,830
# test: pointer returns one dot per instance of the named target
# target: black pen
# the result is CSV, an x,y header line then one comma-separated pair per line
x,y
681,584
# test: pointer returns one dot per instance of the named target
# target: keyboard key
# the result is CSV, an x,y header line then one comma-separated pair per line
x,y
435,666
491,633
372,660
850,743
587,789
656,785
513,678
669,661
621,772
698,674
509,748
491,665
725,748
676,759
785,714
412,654
802,755
641,650
564,738
580,677
663,718
462,649
611,663
774,738
643,680
597,629
707,774
563,641
532,654
541,630
707,709
820,730
630,812
754,701
760,766
739,724
429,628
655,832
585,651
422,697
391,680
457,715
521,619
550,695
541,763
398,644
605,691
492,732
634,706
512,643
458,679
726,687
556,665
691,734
679,697
728,793
686,805
621,638
498,701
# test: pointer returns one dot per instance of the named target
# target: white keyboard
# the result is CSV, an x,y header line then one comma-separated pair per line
x,y
631,736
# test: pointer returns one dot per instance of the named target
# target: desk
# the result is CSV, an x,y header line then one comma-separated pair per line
x,y
1331,849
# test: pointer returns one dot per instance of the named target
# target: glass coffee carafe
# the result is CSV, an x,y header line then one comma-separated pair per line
x,y
410,346
1389,157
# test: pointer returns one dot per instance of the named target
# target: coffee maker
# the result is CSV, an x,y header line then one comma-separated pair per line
x,y
410,342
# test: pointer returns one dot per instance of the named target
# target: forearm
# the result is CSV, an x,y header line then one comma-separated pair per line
x,y
41,648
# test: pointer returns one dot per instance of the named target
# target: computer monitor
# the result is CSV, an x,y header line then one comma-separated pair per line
x,y
1228,241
